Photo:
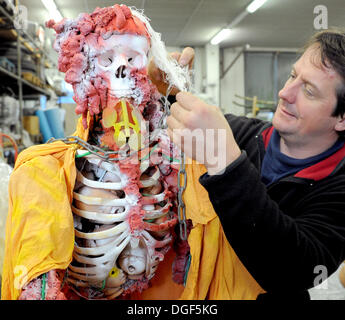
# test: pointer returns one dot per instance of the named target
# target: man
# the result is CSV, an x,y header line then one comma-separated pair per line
x,y
278,189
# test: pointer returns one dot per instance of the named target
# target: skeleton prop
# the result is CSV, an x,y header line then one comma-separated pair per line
x,y
94,216
124,207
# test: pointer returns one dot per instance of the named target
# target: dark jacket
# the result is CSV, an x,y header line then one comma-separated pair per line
x,y
282,233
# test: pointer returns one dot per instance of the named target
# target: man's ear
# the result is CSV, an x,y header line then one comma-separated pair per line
x,y
340,125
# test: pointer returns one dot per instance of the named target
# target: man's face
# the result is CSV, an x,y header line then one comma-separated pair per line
x,y
307,101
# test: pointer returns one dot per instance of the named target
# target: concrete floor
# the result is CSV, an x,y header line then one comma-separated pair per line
x,y
330,289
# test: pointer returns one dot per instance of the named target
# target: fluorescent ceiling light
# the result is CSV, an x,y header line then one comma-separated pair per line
x,y
220,36
238,19
53,11
255,5
50,5
56,15
224,33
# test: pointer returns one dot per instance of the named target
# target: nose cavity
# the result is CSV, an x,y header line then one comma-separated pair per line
x,y
120,72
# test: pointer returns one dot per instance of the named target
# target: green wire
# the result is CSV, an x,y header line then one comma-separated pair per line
x,y
146,195
149,154
83,155
187,270
103,285
43,292
170,159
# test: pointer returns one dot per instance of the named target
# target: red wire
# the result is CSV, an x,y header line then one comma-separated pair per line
x,y
13,143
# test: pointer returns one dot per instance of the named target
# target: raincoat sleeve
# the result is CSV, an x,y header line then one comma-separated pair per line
x,y
215,273
39,227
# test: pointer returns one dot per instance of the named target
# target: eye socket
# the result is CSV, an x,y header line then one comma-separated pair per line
x,y
106,59
136,61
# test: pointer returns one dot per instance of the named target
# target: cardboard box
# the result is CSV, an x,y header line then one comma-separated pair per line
x,y
31,124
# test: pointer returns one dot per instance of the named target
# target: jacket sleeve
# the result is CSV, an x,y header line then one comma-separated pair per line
x,y
283,253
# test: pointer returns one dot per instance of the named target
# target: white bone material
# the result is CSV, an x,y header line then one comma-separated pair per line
x,y
106,237
123,226
108,222
101,201
117,65
112,243
97,184
133,260
100,217
150,181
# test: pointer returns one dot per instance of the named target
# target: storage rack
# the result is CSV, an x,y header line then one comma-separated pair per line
x,y
257,105
15,80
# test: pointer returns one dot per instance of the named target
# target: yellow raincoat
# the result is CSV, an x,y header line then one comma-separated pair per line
x,y
40,232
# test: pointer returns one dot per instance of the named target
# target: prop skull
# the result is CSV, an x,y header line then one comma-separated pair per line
x,y
119,61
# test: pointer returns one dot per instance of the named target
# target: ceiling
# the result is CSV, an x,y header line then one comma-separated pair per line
x,y
278,23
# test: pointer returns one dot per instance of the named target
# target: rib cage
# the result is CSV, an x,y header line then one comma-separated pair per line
x,y
132,221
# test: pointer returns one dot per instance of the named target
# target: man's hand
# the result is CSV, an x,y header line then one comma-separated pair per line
x,y
202,132
157,76
342,275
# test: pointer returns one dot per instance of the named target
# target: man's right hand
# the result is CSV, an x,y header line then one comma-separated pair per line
x,y
157,76
202,132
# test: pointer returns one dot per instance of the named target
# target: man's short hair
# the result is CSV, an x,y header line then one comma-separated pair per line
x,y
331,43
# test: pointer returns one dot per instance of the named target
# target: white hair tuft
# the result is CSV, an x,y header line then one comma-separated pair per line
x,y
175,74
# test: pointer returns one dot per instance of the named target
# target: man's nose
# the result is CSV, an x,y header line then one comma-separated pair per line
x,y
289,92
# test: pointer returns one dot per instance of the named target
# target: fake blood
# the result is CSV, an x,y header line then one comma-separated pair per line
x,y
81,44
90,94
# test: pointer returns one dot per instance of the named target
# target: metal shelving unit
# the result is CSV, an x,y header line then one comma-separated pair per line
x,y
18,84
